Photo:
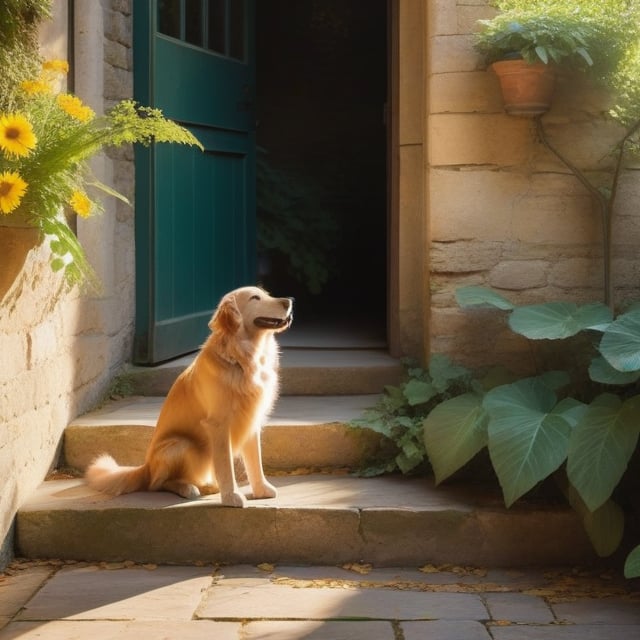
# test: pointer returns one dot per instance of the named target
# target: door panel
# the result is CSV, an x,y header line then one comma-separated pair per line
x,y
195,211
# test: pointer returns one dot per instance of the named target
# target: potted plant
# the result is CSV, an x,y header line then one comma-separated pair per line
x,y
524,47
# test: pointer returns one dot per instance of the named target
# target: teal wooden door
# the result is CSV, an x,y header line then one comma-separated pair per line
x,y
195,211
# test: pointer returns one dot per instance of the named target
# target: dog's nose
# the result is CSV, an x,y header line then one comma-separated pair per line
x,y
287,303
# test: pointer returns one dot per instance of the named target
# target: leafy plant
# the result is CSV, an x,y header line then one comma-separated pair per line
x,y
534,429
536,37
399,413
46,141
293,223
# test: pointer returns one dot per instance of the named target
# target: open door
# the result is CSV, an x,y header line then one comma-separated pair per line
x,y
195,211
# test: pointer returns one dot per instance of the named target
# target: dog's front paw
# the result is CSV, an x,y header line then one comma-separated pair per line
x,y
266,490
234,499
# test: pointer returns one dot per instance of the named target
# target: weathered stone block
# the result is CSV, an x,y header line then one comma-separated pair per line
x,y
479,140
453,53
524,274
465,92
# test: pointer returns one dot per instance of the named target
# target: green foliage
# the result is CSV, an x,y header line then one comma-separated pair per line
x,y
47,173
293,222
632,564
553,36
533,428
19,57
399,413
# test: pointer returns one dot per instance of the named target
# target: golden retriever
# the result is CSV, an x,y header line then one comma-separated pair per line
x,y
215,409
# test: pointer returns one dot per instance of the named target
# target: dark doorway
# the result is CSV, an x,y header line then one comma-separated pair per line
x,y
321,135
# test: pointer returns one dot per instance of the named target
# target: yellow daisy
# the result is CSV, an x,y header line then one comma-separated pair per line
x,y
16,135
12,188
81,204
73,106
33,87
59,66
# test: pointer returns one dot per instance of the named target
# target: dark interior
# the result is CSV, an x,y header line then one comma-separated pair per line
x,y
321,96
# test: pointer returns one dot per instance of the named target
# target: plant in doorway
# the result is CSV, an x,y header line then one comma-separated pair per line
x,y
294,225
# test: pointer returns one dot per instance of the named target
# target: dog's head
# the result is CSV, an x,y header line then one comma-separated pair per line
x,y
252,310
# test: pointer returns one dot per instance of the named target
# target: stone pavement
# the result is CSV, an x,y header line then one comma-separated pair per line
x,y
69,601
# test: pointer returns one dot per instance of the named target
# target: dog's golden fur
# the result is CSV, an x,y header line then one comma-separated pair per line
x,y
214,410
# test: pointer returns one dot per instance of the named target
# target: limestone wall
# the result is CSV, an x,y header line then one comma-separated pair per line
x,y
59,349
503,211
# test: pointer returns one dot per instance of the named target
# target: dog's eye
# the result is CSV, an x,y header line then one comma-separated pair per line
x,y
254,298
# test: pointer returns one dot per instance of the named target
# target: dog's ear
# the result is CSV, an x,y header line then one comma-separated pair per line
x,y
227,318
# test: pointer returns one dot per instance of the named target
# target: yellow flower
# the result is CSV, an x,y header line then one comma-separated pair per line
x,y
12,188
74,107
59,66
81,204
16,135
33,87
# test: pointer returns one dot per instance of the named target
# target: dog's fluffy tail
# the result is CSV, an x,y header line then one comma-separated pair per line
x,y
106,475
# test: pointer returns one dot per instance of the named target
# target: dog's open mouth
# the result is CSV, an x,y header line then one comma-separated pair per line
x,y
273,323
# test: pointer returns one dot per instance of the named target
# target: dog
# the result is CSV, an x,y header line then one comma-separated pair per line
x,y
215,409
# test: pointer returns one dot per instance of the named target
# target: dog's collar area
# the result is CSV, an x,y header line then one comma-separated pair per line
x,y
230,361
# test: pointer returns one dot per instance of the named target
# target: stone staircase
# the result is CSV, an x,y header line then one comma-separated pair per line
x,y
322,515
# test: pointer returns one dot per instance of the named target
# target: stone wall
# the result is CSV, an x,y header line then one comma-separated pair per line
x,y
504,212
61,349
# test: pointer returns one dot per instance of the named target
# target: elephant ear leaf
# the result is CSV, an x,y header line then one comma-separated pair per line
x,y
557,320
474,296
454,431
620,344
632,564
601,446
528,439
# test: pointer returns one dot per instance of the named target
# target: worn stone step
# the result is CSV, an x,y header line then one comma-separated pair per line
x,y
316,519
309,432
303,372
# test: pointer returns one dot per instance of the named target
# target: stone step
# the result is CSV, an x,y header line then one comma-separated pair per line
x,y
309,432
303,372
316,519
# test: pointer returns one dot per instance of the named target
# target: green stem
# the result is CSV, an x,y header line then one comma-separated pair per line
x,y
605,206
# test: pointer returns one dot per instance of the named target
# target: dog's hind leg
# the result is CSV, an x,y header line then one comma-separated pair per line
x,y
166,469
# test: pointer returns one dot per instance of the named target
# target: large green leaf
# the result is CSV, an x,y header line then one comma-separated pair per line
x,y
556,320
604,526
601,445
527,440
601,371
474,296
620,343
453,433
632,564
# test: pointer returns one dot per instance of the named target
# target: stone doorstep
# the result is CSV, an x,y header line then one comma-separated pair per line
x,y
316,519
303,432
302,372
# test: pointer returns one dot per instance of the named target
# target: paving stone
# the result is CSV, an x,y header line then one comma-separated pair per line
x,y
614,611
91,593
518,607
233,598
317,630
16,589
445,630
566,632
126,630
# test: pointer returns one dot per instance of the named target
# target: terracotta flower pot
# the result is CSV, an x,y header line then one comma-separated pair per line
x,y
527,88
17,239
